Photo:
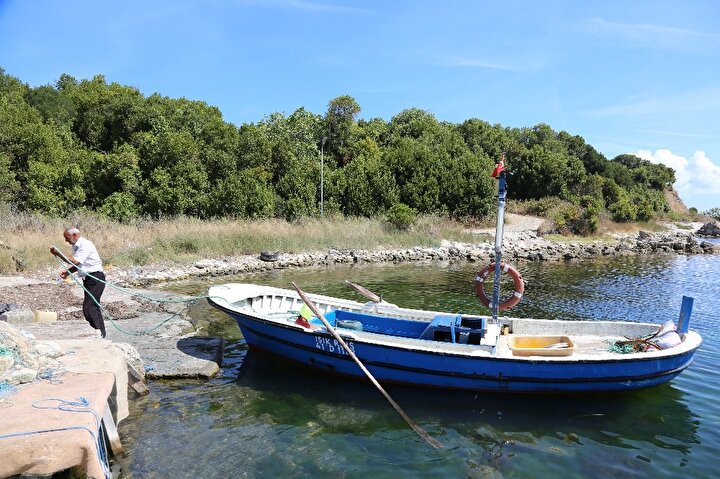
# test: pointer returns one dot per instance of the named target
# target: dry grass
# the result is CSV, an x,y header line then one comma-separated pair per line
x,y
28,237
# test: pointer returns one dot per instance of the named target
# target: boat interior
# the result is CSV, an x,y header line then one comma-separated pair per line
x,y
474,334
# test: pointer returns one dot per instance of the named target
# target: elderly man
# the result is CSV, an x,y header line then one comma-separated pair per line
x,y
86,259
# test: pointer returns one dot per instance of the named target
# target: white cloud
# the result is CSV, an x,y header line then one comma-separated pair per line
x,y
475,63
706,173
697,178
656,36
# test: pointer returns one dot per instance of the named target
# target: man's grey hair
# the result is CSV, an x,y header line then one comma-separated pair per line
x,y
73,231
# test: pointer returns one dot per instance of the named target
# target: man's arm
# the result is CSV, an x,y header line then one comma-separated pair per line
x,y
70,260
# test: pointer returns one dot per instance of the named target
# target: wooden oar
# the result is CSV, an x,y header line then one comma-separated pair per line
x,y
368,294
421,432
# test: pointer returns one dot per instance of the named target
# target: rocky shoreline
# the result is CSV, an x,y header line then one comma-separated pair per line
x,y
517,246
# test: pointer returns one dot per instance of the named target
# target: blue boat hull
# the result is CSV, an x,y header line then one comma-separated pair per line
x,y
318,349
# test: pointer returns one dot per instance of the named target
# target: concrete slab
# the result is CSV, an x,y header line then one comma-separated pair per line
x,y
169,351
38,438
191,357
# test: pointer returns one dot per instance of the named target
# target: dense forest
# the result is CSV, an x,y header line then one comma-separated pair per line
x,y
87,144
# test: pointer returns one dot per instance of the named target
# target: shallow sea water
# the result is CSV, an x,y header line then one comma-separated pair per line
x,y
267,418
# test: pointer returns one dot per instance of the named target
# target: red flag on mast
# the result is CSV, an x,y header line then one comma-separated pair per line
x,y
499,168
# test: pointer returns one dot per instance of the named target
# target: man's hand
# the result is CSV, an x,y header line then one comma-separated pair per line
x,y
54,251
64,274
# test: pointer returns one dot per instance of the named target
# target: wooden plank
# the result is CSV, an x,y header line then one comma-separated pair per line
x,y
140,388
111,431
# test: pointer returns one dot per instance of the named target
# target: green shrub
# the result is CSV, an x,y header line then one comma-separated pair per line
x,y
645,211
714,212
119,206
623,210
580,219
294,209
539,207
402,216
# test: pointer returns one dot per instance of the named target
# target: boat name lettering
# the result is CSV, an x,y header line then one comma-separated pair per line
x,y
332,345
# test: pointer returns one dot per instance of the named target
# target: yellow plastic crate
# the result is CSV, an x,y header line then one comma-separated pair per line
x,y
540,345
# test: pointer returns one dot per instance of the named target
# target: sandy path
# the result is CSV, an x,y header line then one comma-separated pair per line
x,y
515,223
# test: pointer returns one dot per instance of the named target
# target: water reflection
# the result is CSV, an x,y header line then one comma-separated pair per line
x,y
661,412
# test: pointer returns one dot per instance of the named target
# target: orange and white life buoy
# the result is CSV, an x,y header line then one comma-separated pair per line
x,y
504,303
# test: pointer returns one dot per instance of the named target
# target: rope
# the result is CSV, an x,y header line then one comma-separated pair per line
x,y
11,350
7,389
620,347
80,405
634,345
107,315
52,375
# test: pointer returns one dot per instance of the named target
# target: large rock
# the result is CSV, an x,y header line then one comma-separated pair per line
x,y
709,229
21,376
18,316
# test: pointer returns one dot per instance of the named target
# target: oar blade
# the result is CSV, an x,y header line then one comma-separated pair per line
x,y
365,292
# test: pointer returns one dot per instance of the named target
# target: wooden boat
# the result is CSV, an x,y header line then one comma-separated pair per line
x,y
454,351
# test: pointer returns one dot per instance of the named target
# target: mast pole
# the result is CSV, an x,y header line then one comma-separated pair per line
x,y
500,175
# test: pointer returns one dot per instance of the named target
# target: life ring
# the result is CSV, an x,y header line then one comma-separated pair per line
x,y
517,278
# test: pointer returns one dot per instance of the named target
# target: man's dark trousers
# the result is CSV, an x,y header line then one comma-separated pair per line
x,y
91,310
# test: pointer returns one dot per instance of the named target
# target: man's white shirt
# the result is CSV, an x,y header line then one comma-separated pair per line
x,y
84,251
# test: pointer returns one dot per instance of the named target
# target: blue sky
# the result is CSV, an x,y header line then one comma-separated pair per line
x,y
638,77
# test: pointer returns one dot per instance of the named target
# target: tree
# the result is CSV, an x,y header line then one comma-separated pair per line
x,y
593,161
485,139
417,170
10,186
340,119
174,179
466,187
244,194
106,114
540,172
53,105
114,172
369,187
254,148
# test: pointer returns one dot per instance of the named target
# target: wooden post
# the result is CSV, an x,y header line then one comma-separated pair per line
x,y
111,431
